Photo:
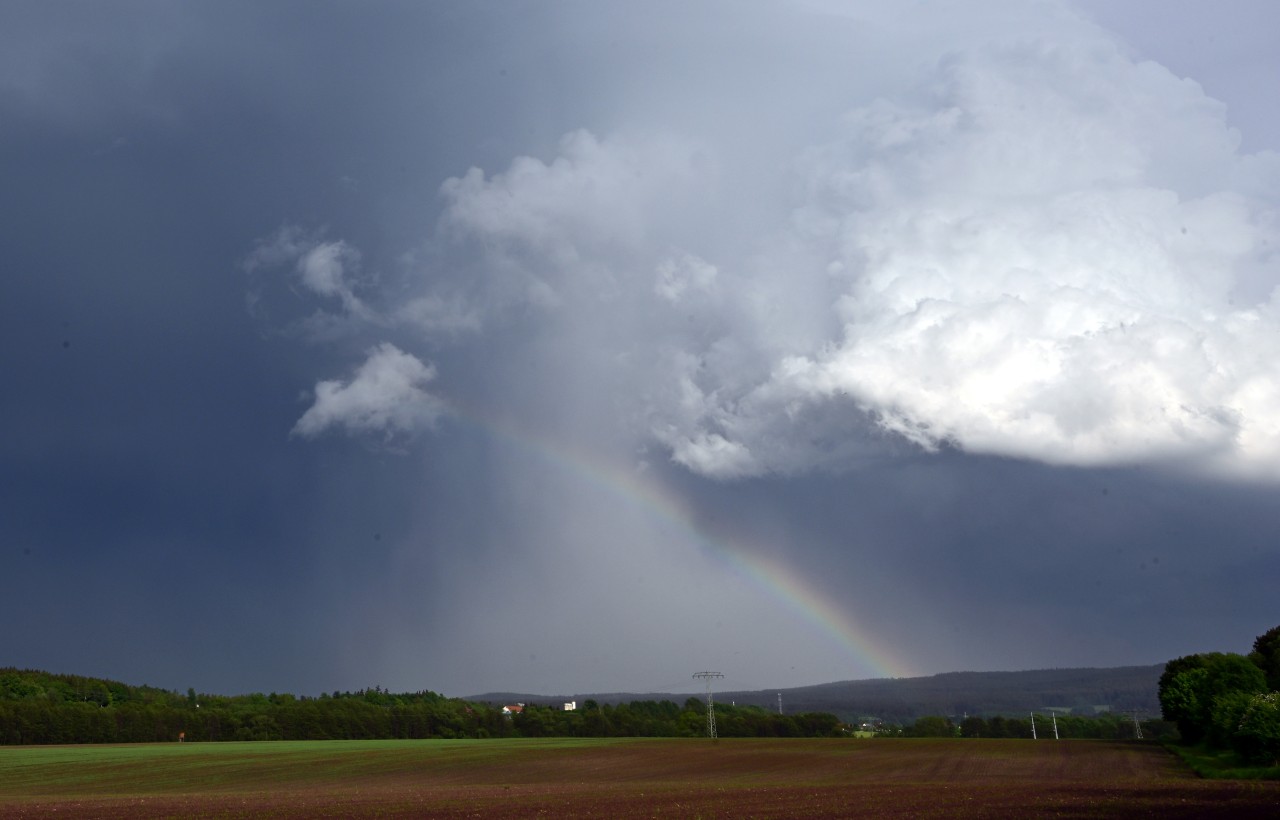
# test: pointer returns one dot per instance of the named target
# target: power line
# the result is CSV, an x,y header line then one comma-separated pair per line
x,y
711,709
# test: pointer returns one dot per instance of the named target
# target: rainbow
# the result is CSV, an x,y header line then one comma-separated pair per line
x,y
770,577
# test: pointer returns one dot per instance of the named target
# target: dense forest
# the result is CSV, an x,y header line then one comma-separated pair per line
x,y
40,707
1227,701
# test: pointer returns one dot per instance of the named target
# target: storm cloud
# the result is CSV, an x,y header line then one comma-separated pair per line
x,y
573,347
1045,249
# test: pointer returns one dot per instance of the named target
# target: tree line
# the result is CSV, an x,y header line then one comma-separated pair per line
x,y
43,708
1228,701
1043,725
664,718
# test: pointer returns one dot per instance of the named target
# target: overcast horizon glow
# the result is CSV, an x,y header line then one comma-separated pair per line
x,y
577,347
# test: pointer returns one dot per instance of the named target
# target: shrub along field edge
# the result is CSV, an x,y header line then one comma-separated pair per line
x,y
1221,764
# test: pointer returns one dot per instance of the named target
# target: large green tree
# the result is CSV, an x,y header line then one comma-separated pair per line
x,y
1206,694
931,726
1179,691
1266,654
1257,737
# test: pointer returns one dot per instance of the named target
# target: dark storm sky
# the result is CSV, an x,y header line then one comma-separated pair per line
x,y
573,346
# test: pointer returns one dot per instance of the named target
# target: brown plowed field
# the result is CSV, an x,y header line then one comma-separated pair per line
x,y
629,778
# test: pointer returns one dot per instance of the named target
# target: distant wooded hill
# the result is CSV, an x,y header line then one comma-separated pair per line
x,y
1086,691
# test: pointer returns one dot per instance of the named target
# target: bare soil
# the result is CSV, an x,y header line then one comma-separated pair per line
x,y
682,778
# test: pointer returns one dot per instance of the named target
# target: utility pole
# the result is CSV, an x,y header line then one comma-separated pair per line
x,y
711,709
779,703
1033,726
1054,715
1137,727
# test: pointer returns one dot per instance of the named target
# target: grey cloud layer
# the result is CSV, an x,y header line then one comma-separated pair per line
x,y
1050,251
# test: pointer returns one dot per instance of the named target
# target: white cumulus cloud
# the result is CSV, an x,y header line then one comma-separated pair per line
x,y
1057,253
1028,243
1045,265
386,397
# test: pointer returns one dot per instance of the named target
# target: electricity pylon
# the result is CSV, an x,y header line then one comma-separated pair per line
x,y
711,709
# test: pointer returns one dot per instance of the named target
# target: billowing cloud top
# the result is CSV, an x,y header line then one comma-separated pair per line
x,y
1044,250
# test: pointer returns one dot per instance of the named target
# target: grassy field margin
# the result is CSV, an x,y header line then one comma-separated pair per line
x,y
1222,764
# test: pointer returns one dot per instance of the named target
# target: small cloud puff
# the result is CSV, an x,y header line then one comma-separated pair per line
x,y
386,397
326,268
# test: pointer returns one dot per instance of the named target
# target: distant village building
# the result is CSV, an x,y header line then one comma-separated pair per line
x,y
513,709
571,705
